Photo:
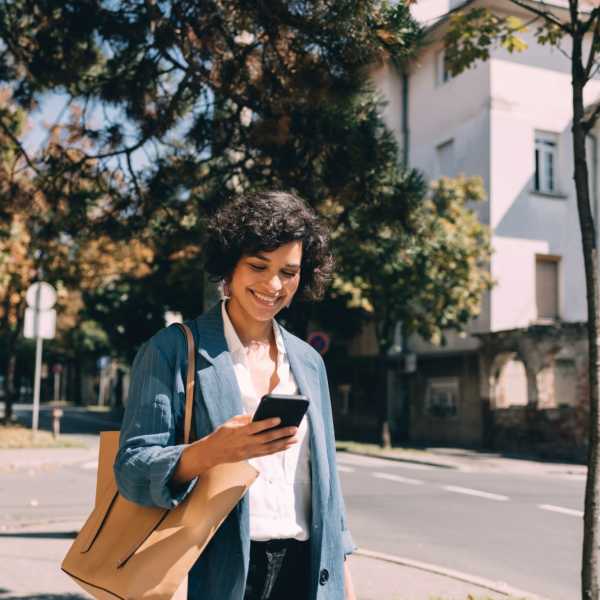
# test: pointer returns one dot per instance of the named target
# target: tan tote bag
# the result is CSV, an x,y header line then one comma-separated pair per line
x,y
129,551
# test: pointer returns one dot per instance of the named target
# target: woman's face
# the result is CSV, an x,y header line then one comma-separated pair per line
x,y
264,283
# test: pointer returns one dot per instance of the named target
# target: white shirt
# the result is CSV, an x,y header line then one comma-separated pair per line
x,y
280,498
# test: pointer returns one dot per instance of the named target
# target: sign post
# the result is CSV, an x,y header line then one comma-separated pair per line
x,y
40,323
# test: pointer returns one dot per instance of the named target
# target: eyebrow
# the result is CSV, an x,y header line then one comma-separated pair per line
x,y
263,257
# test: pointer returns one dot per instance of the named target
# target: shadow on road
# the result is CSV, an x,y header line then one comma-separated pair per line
x,y
49,535
75,420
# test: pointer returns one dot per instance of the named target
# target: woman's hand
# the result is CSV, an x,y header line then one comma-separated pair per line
x,y
240,438
237,439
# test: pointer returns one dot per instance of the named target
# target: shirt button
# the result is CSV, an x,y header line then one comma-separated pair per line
x,y
324,576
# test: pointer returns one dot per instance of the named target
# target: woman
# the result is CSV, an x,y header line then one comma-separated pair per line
x,y
287,538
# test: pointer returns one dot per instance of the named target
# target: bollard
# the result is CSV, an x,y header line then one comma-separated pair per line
x,y
57,413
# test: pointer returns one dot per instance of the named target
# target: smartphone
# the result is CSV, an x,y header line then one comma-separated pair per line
x,y
290,408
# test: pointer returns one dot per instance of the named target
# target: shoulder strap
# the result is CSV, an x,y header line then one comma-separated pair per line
x,y
189,383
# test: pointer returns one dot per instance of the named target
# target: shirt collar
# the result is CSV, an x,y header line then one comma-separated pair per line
x,y
233,340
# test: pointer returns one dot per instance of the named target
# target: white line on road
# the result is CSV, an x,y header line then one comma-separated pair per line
x,y
560,509
344,469
397,478
470,492
360,460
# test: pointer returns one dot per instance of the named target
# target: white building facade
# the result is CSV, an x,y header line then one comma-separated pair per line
x,y
507,120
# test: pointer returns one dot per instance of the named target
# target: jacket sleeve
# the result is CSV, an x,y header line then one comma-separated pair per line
x,y
347,541
148,455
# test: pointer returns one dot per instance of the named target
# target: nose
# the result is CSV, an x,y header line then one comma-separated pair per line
x,y
275,284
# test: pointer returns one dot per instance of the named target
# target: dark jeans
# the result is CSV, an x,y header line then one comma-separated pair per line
x,y
279,570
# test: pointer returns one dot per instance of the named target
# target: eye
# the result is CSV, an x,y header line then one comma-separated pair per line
x,y
288,274
256,267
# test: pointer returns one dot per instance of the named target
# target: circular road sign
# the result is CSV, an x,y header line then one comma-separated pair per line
x,y
45,294
319,340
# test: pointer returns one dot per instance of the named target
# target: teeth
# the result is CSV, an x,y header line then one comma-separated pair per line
x,y
265,298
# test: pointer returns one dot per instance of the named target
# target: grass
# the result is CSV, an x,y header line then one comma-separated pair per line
x,y
375,449
14,436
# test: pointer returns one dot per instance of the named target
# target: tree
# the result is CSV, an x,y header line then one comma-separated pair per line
x,y
175,105
222,97
471,35
50,220
425,267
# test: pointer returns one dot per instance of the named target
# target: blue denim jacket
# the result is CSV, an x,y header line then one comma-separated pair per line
x,y
149,450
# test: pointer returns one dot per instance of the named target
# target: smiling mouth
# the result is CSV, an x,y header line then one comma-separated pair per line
x,y
265,300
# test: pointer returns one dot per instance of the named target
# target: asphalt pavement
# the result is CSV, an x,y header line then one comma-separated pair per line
x,y
417,541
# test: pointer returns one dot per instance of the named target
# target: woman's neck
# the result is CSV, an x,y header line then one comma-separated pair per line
x,y
247,328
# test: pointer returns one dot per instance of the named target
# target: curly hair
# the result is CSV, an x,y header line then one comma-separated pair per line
x,y
261,222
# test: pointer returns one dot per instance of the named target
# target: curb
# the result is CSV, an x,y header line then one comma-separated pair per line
x,y
414,461
499,587
548,468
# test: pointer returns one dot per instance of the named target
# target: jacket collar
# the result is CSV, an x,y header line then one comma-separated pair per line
x,y
219,382
211,342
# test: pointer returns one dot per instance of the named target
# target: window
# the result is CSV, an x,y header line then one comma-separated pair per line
x,y
442,74
546,161
445,159
442,397
546,286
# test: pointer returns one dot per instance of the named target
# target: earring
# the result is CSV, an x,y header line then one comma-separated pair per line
x,y
225,291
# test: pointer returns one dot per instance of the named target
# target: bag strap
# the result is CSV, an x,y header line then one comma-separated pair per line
x,y
189,383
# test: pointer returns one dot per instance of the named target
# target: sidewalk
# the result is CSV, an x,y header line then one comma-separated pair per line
x,y
447,458
40,458
464,459
43,548
377,576
450,458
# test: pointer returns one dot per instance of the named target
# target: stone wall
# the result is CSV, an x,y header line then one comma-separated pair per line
x,y
553,421
551,433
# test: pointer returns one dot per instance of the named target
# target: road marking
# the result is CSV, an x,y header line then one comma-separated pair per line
x,y
471,492
344,469
397,478
92,464
561,509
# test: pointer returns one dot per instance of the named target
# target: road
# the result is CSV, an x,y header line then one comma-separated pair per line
x,y
523,529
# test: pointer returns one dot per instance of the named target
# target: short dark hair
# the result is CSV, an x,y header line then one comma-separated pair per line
x,y
261,222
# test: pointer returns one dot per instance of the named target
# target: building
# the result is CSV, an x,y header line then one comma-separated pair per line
x,y
519,376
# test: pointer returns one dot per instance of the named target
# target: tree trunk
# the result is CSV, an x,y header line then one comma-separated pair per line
x,y
383,327
589,567
10,388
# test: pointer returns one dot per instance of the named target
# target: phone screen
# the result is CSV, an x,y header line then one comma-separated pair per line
x,y
289,408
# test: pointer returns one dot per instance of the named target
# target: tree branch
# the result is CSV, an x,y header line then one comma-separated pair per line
x,y
18,145
590,121
592,55
546,15
594,15
134,178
